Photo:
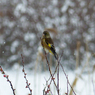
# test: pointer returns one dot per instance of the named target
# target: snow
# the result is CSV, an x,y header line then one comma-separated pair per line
x,y
29,37
54,2
31,11
26,52
6,21
14,46
13,57
84,85
67,3
21,8
29,18
82,4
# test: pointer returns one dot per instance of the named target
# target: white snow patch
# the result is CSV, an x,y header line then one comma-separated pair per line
x,y
13,58
82,3
26,51
1,39
29,36
14,45
20,8
83,86
8,23
67,3
31,11
54,2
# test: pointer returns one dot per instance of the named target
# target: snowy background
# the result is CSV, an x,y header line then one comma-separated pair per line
x,y
71,24
84,84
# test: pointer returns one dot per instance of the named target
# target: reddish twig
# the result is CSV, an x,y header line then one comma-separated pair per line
x,y
50,69
58,76
27,83
67,78
45,92
54,72
64,74
55,69
7,77
48,90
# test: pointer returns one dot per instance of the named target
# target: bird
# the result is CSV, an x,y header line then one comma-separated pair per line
x,y
47,44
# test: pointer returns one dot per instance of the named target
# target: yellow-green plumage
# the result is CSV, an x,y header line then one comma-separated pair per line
x,y
48,44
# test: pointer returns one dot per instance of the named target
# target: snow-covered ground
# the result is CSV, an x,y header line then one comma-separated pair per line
x,y
84,85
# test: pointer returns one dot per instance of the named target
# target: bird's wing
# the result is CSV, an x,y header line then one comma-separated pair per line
x,y
49,42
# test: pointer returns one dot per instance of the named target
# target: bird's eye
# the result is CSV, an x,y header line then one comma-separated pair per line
x,y
45,33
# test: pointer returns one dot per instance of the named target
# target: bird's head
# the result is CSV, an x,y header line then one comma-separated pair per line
x,y
46,34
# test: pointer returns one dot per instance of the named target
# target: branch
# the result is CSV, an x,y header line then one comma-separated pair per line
x,y
27,83
7,77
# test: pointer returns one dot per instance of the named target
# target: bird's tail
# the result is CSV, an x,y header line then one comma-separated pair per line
x,y
55,55
54,52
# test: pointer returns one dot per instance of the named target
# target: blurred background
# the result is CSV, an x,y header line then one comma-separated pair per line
x,y
71,24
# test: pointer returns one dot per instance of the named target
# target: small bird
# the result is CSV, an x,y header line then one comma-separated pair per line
x,y
48,44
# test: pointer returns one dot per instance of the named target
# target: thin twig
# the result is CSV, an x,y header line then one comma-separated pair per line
x,y
7,77
27,83
56,68
64,73
49,67
54,71
50,70
67,78
58,76
57,87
